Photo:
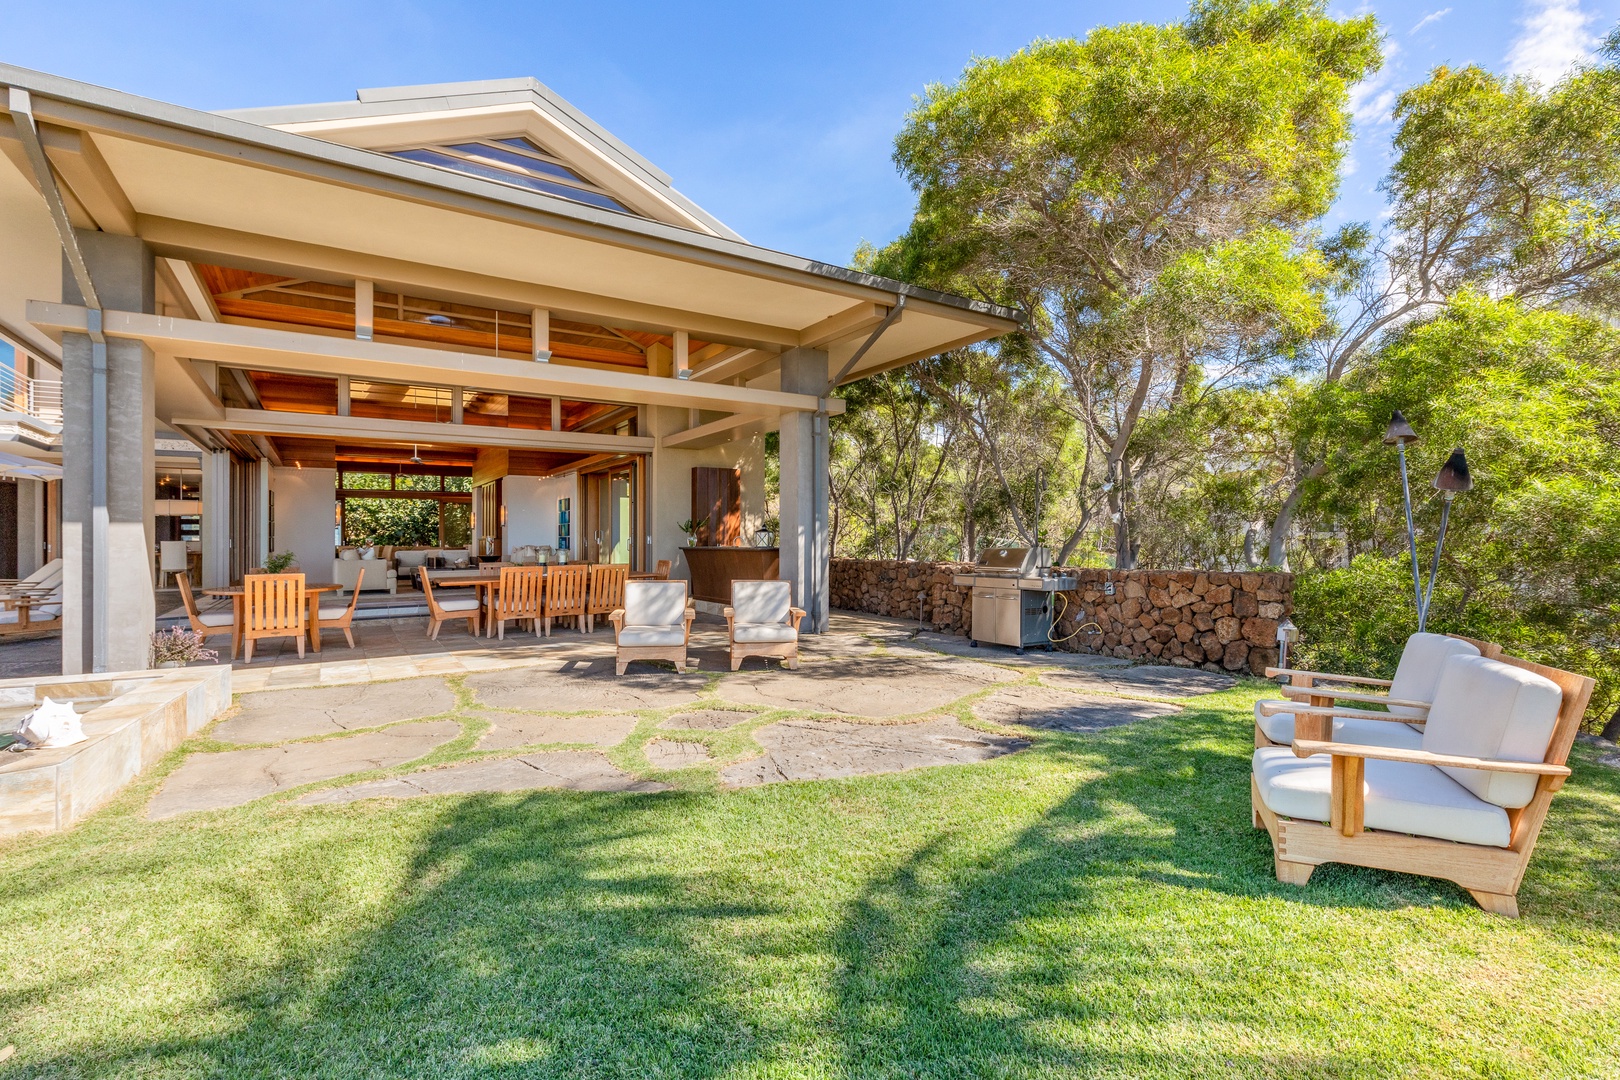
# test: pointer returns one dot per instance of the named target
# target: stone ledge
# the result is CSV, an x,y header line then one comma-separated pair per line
x,y
136,717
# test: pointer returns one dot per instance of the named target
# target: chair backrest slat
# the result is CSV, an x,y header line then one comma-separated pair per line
x,y
188,600
522,589
565,589
274,602
607,587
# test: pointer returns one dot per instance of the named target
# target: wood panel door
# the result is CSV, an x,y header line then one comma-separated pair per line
x,y
717,496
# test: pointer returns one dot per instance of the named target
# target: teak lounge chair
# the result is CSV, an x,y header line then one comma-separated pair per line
x,y
208,623
654,624
1467,805
42,580
28,614
442,611
1408,694
762,621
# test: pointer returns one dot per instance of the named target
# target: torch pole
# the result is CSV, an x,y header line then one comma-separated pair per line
x,y
1434,566
1411,537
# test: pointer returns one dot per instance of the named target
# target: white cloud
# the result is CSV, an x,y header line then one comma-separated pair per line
x,y
1429,19
1554,36
1372,99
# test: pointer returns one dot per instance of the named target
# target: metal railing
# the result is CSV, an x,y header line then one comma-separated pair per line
x,y
37,398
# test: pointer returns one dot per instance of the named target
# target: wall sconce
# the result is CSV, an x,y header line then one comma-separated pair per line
x,y
337,513
503,515
472,521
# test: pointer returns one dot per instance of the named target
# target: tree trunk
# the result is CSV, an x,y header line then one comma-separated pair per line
x,y
1611,730
1283,523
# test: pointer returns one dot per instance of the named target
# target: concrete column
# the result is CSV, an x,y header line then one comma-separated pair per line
x,y
804,507
107,539
216,519
30,526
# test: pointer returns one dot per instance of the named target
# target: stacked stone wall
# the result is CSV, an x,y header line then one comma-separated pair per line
x,y
1191,618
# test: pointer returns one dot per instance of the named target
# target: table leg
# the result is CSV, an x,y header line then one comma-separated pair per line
x,y
239,624
314,621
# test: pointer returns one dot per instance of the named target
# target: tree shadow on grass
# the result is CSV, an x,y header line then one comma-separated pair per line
x,y
525,942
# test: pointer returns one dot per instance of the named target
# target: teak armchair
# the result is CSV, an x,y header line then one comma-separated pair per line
x,y
273,605
762,621
565,594
607,592
1466,805
208,623
341,616
1408,694
654,624
442,611
520,598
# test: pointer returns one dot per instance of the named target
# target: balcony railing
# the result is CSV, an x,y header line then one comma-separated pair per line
x,y
32,397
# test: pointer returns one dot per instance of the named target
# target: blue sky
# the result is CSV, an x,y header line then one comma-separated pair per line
x,y
777,118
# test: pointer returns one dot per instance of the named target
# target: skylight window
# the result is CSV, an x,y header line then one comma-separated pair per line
x,y
516,161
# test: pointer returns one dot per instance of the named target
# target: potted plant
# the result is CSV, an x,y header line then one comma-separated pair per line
x,y
690,528
179,647
279,563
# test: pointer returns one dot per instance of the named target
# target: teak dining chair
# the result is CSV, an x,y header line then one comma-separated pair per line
x,y
522,591
208,623
273,605
662,568
442,611
565,594
607,592
341,617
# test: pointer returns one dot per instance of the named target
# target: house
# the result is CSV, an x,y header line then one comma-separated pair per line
x,y
238,322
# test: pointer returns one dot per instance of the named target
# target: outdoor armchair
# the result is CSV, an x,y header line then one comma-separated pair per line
x,y
208,623
1466,804
654,624
762,621
1407,695
341,616
451,607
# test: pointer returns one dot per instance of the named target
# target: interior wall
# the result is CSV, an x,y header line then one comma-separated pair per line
x,y
305,502
669,485
531,509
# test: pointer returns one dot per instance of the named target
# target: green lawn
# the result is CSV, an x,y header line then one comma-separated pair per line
x,y
1096,906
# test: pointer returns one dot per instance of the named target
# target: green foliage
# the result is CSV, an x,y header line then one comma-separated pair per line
x,y
278,562
391,522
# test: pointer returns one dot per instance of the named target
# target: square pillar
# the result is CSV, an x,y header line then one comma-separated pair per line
x,y
107,539
216,519
804,499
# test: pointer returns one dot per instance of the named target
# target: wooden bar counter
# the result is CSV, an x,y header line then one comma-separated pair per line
x,y
713,569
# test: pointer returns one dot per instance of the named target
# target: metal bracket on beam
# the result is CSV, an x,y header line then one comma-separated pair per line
x,y
877,331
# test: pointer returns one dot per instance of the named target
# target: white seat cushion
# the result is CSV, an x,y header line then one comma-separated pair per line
x,y
1418,673
768,632
1279,728
654,603
761,602
1400,797
216,618
1488,709
652,635
337,612
459,603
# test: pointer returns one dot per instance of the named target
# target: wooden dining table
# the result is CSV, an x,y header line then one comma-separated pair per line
x,y
312,590
493,584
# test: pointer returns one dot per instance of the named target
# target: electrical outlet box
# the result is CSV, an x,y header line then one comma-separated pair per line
x,y
1108,588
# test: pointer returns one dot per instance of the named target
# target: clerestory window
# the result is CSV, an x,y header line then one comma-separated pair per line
x,y
518,161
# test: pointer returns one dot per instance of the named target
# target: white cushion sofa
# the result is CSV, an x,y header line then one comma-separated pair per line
x,y
408,562
379,575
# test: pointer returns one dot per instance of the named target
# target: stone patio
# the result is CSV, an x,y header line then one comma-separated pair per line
x,y
872,696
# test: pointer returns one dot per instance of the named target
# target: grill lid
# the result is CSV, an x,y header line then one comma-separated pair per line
x,y
1021,561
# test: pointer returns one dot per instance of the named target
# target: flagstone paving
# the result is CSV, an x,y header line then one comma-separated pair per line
x,y
578,686
667,754
280,715
576,770
234,777
1061,710
512,730
880,686
706,720
1141,681
823,749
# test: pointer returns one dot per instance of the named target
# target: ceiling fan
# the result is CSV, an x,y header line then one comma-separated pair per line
x,y
416,458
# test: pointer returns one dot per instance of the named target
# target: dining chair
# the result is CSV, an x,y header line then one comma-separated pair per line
x,y
340,616
565,594
607,592
441,611
273,606
207,623
172,558
662,568
522,589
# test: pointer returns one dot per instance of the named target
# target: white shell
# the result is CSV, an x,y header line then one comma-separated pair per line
x,y
53,723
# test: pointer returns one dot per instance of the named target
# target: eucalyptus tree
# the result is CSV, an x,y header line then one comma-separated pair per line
x,y
1142,193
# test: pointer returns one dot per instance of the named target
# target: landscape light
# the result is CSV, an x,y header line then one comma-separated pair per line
x,y
1452,479
1398,434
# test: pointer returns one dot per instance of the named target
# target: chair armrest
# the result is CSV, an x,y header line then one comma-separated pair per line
x,y
1272,708
1358,680
1310,747
795,616
686,623
731,618
1305,693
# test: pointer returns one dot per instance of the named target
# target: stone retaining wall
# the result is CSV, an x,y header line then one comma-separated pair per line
x,y
1191,618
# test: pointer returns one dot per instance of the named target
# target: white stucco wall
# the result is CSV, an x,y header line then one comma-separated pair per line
x,y
305,500
531,509
669,494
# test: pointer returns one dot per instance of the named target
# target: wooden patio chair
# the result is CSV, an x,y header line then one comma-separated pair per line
x,y
565,594
208,623
654,624
341,616
442,611
521,597
31,614
762,621
273,605
607,592
662,568
1407,694
1467,805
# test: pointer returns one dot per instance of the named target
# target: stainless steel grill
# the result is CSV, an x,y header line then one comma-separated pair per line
x,y
1012,596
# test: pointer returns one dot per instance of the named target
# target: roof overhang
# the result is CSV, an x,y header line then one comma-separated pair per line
x,y
201,185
